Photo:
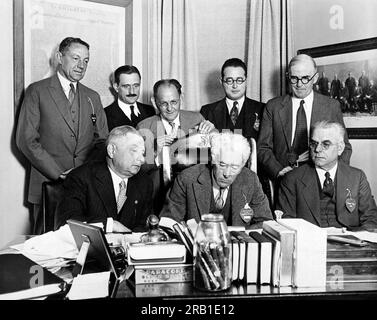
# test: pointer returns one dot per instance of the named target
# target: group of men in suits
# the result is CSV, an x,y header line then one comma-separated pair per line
x,y
61,121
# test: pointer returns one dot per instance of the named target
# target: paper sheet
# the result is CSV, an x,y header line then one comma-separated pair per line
x,y
90,286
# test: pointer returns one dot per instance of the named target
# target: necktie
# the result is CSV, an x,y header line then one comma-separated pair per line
x,y
300,141
133,116
328,185
173,131
71,95
234,113
219,201
121,195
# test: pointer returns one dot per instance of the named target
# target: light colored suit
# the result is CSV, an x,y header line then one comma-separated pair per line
x,y
299,196
190,196
153,127
275,135
46,134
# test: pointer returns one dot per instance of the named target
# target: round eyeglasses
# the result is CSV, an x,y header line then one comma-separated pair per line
x,y
230,81
304,79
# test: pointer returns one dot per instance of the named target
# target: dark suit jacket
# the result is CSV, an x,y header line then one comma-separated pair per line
x,y
299,196
46,135
217,113
190,196
116,117
274,140
89,196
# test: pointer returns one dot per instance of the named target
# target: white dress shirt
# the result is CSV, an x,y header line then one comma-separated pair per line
x,y
66,84
229,104
321,174
126,108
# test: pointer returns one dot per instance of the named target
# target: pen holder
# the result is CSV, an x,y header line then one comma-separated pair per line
x,y
212,254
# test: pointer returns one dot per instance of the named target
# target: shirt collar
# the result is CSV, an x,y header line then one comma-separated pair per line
x,y
116,181
308,100
229,103
167,123
321,173
126,108
65,83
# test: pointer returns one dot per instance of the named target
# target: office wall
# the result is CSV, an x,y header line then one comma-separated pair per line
x,y
13,214
312,27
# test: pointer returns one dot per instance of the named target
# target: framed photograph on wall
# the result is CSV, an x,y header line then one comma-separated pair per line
x,y
40,25
348,72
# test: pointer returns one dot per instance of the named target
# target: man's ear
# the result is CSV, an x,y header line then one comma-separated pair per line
x,y
116,87
154,103
341,146
110,150
59,57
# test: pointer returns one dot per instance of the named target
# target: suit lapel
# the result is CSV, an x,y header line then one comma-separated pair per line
x,y
240,190
61,101
317,109
221,112
344,181
285,114
104,186
310,192
202,191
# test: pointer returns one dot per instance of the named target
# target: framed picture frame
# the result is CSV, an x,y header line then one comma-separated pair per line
x,y
348,72
39,26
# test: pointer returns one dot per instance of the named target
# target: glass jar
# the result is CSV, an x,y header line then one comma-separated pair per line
x,y
212,254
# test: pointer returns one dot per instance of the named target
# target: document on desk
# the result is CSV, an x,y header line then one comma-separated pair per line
x,y
90,286
362,235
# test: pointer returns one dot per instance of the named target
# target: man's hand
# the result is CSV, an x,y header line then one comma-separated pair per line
x,y
284,171
206,126
118,227
64,174
165,140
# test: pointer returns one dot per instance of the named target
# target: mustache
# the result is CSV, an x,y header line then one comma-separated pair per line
x,y
131,95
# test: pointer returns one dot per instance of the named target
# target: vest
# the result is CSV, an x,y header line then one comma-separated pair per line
x,y
75,112
328,216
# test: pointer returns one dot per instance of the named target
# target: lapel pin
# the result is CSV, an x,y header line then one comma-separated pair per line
x,y
350,202
246,212
256,123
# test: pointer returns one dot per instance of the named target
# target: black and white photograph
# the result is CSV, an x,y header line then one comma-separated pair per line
x,y
188,158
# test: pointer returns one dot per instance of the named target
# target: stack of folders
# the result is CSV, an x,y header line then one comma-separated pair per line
x,y
299,253
160,262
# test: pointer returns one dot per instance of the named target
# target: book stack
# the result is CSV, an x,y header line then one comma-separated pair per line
x,y
351,262
288,252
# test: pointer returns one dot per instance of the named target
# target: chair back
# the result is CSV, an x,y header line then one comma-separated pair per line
x,y
52,193
252,162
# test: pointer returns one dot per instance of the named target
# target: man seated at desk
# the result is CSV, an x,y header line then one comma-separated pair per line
x,y
328,192
225,187
111,191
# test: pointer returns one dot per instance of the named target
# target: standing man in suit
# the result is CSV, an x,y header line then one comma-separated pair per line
x,y
283,139
126,110
328,192
60,121
235,112
226,187
112,191
169,128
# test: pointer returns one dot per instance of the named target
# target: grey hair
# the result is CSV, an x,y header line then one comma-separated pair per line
x,y
229,142
120,131
302,58
341,131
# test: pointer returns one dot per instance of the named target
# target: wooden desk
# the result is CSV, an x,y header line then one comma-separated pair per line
x,y
186,291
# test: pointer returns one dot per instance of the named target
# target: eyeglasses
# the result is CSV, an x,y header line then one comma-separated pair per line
x,y
230,81
304,79
325,145
172,103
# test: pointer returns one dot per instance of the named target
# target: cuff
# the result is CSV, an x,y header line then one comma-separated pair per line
x,y
109,225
